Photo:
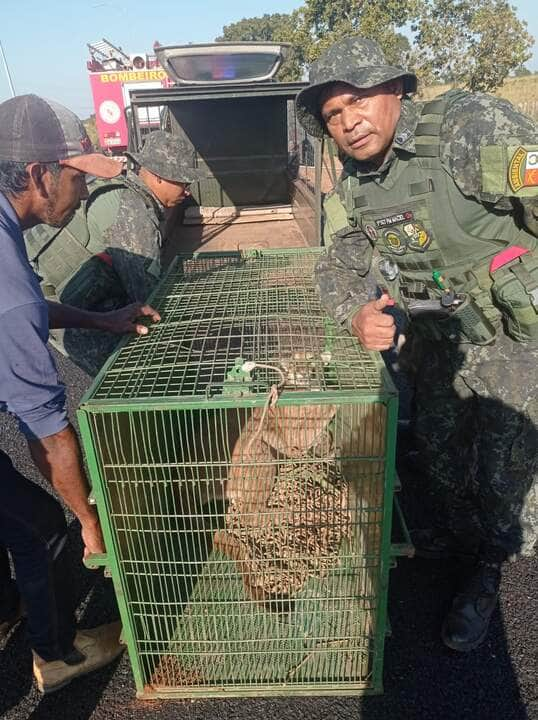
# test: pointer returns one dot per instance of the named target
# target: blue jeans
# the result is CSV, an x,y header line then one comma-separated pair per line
x,y
34,530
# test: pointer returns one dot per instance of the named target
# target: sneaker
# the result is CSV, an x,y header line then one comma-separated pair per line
x,y
467,623
94,649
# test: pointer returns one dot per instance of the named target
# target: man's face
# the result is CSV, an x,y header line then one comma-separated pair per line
x,y
65,193
362,122
171,193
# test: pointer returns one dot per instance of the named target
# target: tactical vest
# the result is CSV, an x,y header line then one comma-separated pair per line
x,y
417,218
57,254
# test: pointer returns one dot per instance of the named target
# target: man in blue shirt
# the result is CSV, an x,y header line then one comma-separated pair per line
x,y
44,155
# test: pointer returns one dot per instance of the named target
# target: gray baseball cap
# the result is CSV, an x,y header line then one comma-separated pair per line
x,y
354,60
168,156
33,129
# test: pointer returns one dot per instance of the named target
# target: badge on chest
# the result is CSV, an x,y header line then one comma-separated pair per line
x,y
401,232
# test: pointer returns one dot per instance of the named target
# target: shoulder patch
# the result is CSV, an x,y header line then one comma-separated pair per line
x,y
523,169
508,170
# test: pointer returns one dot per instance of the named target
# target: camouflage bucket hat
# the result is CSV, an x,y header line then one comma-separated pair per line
x,y
354,60
168,156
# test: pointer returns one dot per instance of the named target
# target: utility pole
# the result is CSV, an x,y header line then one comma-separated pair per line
x,y
7,71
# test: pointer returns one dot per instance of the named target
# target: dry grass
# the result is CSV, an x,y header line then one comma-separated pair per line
x,y
521,92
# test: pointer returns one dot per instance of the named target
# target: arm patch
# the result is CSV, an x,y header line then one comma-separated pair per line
x,y
509,170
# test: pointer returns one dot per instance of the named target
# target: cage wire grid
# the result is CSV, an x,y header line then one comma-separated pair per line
x,y
249,542
214,311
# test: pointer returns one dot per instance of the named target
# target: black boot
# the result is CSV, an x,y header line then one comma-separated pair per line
x,y
466,625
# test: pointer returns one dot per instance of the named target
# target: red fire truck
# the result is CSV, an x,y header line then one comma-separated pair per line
x,y
113,73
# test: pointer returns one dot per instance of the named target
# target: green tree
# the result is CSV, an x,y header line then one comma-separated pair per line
x,y
471,43
265,28
325,22
475,43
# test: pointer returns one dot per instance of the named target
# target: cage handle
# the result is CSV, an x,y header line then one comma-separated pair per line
x,y
405,548
93,561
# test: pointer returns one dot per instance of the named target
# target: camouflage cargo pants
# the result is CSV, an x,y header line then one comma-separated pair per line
x,y
475,420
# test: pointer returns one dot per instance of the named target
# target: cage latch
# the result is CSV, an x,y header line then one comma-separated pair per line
x,y
238,380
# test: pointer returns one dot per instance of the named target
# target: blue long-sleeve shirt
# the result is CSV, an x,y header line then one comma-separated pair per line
x,y
29,384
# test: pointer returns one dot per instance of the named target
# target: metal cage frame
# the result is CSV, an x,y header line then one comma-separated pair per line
x,y
137,383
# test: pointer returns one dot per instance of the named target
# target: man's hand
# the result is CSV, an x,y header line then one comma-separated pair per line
x,y
125,319
116,321
374,328
59,459
92,538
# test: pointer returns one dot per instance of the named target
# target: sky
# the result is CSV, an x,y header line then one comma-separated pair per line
x,y
44,41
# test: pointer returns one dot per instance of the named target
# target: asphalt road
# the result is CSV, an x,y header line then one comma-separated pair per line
x,y
423,680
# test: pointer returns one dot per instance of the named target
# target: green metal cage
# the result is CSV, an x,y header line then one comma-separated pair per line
x,y
242,460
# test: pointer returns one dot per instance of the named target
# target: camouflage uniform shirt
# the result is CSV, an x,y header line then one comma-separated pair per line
x,y
125,224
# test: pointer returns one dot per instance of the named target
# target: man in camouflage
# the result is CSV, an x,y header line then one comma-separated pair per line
x,y
434,218
109,254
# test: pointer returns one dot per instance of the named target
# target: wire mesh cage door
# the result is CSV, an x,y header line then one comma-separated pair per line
x,y
248,519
